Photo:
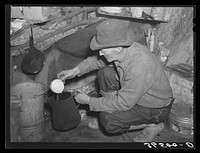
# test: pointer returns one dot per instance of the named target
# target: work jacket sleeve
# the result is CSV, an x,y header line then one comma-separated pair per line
x,y
90,64
138,80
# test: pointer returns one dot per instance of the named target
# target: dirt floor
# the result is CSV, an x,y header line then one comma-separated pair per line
x,y
84,137
82,133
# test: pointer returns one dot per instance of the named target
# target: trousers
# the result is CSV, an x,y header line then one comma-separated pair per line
x,y
120,121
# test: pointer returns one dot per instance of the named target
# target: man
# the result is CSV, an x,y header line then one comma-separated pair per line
x,y
135,91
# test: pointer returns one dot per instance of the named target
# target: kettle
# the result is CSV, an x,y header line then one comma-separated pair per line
x,y
65,114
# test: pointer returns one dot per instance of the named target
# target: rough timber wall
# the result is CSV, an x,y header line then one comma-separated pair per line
x,y
64,21
177,36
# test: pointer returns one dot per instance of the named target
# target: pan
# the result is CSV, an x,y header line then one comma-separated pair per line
x,y
33,61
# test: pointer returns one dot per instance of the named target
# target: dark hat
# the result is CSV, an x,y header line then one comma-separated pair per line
x,y
112,33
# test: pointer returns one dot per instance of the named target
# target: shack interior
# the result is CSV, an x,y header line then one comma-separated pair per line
x,y
63,34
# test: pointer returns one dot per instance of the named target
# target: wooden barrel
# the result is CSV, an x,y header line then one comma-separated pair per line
x,y
31,117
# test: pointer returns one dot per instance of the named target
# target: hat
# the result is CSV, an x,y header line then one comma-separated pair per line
x,y
112,33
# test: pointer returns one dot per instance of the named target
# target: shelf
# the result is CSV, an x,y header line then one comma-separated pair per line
x,y
121,16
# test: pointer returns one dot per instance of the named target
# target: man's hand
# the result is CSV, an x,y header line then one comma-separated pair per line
x,y
82,98
68,74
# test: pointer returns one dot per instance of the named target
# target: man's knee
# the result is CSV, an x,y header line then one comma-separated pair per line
x,y
107,79
111,124
105,122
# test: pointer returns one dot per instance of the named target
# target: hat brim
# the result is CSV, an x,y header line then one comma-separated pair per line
x,y
95,46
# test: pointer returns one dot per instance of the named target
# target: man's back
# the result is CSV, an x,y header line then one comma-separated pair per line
x,y
159,92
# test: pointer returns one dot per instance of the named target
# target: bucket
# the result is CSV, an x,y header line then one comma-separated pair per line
x,y
181,119
65,113
33,133
14,121
31,97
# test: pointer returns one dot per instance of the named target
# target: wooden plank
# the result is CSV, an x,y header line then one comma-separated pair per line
x,y
182,70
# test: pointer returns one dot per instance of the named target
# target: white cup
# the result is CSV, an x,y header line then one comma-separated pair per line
x,y
57,86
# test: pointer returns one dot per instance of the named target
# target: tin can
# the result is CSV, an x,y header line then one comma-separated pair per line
x,y
180,119
158,13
